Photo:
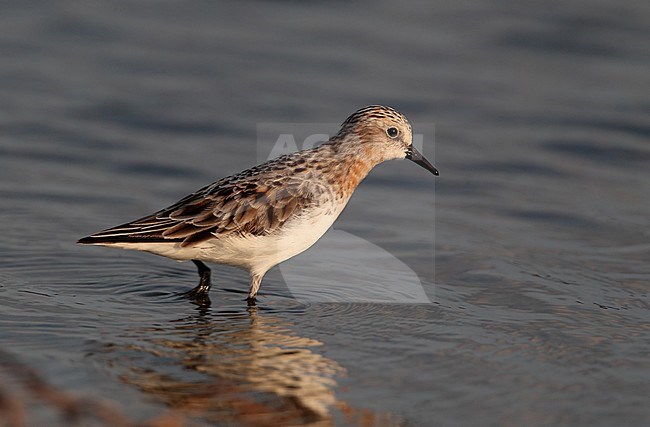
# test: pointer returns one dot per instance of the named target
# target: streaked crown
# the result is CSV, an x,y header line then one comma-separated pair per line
x,y
375,113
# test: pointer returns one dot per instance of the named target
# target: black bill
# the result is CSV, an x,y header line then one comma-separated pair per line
x,y
415,156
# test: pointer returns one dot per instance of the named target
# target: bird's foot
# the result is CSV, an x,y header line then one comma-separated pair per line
x,y
200,295
250,300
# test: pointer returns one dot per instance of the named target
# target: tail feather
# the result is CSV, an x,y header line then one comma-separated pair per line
x,y
131,233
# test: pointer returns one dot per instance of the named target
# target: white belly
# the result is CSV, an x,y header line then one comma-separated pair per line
x,y
257,254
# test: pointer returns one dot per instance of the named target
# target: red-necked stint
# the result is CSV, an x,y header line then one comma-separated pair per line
x,y
269,213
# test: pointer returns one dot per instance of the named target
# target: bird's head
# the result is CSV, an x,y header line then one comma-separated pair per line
x,y
382,133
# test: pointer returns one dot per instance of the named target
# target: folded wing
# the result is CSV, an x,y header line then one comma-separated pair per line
x,y
249,207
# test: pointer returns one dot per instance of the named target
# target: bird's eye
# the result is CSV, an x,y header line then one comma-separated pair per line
x,y
392,132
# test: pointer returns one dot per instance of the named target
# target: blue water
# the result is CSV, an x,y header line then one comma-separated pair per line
x,y
532,245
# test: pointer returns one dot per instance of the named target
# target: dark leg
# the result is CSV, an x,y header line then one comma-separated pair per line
x,y
202,290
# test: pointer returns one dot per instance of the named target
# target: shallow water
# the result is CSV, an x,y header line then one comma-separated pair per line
x,y
532,245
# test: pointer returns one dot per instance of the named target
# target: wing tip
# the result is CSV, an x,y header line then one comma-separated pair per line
x,y
112,240
95,240
85,241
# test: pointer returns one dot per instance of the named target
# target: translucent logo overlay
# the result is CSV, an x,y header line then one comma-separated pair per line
x,y
341,266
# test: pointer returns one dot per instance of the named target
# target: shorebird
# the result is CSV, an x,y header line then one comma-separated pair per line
x,y
269,213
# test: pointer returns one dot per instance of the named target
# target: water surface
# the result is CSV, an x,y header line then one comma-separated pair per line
x,y
532,245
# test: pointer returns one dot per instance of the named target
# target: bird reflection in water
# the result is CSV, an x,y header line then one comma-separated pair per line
x,y
244,368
